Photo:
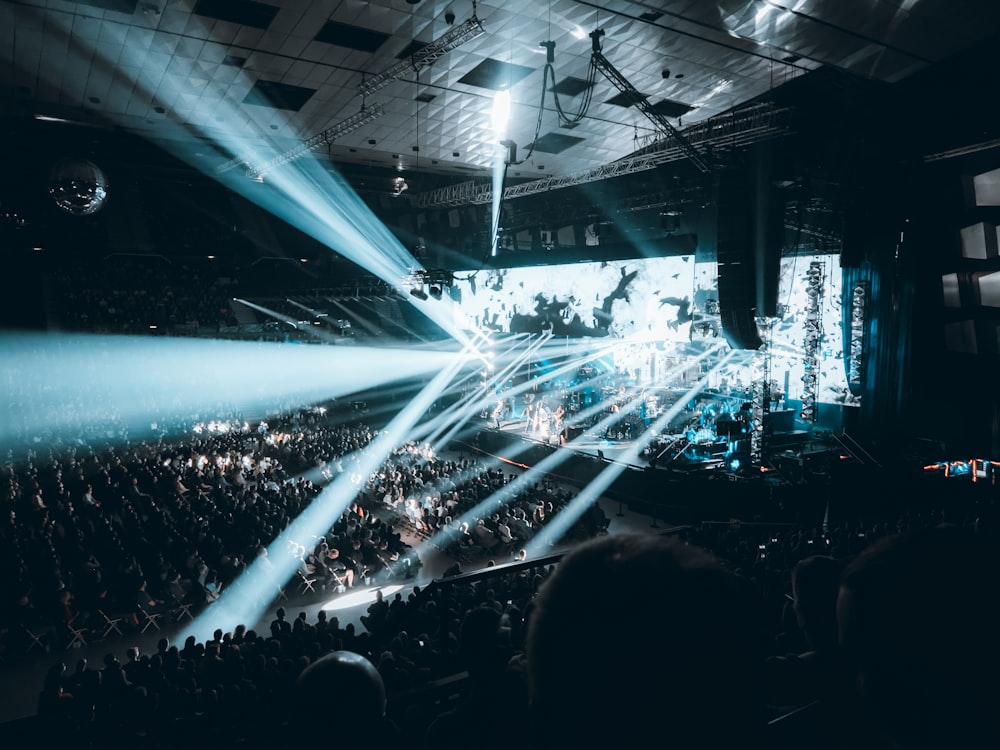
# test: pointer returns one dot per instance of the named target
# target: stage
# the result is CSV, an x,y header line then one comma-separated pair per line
x,y
682,476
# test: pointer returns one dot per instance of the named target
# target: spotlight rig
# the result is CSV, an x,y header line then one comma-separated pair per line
x,y
435,279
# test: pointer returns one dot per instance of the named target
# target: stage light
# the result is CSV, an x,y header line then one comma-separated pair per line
x,y
435,292
419,293
511,150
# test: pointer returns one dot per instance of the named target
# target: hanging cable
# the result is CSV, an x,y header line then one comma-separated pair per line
x,y
565,120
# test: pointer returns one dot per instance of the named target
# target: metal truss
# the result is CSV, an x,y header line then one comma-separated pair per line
x,y
760,401
812,340
328,136
426,55
640,102
859,303
736,129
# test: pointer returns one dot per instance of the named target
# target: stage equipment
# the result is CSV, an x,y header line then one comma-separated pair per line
x,y
326,138
736,129
640,102
426,55
859,301
811,341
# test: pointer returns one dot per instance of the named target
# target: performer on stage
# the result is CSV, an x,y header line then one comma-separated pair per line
x,y
557,418
529,418
499,412
541,420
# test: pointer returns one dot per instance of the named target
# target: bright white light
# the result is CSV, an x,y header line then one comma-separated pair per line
x,y
86,379
46,118
501,113
357,598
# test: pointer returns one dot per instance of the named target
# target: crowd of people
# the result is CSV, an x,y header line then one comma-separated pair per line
x,y
156,525
863,632
137,294
882,628
628,637
472,509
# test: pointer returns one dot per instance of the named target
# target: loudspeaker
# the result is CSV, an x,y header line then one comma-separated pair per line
x,y
736,234
740,328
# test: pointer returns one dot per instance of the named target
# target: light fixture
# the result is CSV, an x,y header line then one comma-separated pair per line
x,y
435,292
511,150
419,293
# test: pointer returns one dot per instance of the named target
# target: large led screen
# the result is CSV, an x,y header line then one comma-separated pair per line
x,y
662,308
622,299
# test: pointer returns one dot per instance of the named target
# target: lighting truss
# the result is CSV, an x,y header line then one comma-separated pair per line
x,y
811,344
437,276
760,403
642,103
425,56
328,136
859,301
737,129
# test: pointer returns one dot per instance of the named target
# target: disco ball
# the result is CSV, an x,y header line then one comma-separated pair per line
x,y
78,187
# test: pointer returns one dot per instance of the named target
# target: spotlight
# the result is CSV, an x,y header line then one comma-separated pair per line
x,y
511,150
435,292
665,73
419,293
449,16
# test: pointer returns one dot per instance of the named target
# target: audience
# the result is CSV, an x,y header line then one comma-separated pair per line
x,y
884,626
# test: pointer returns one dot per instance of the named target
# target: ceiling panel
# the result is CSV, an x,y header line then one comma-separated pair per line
x,y
702,57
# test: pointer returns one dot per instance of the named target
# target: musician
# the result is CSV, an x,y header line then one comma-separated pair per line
x,y
541,419
498,412
557,417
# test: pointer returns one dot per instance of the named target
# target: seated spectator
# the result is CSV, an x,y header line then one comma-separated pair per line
x,y
378,611
339,573
145,600
797,679
484,537
685,663
494,689
918,617
503,531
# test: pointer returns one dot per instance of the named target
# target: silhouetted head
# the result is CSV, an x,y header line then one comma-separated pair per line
x,y
815,586
359,691
918,616
635,635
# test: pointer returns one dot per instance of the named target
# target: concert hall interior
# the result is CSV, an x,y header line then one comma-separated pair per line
x,y
281,273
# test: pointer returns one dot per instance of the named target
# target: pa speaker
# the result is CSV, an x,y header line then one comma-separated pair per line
x,y
739,324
